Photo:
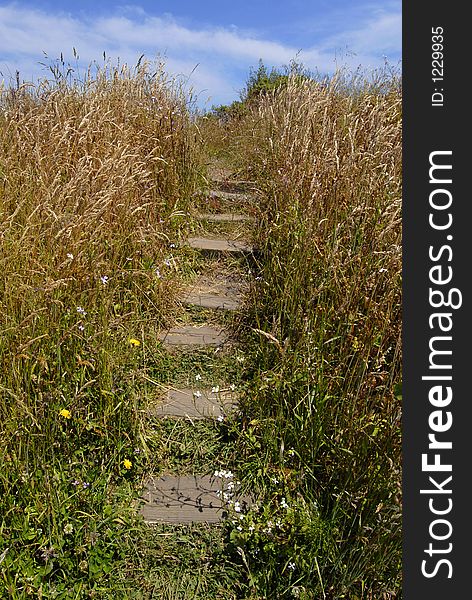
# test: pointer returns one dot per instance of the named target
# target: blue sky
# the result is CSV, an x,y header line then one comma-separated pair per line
x,y
223,38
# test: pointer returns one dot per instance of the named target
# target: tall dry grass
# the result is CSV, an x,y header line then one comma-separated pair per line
x,y
327,155
93,176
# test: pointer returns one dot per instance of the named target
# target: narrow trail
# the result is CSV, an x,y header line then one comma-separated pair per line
x,y
203,497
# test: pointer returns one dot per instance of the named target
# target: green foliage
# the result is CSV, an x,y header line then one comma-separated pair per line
x,y
322,411
262,82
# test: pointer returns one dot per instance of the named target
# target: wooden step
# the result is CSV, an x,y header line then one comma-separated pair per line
x,y
212,246
196,404
225,217
191,335
233,196
215,290
206,300
182,500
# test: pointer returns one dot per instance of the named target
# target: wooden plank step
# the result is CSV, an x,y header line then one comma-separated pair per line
x,y
182,500
225,217
196,404
207,245
215,290
190,335
207,300
232,196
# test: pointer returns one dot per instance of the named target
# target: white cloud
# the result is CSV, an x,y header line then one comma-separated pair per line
x,y
222,53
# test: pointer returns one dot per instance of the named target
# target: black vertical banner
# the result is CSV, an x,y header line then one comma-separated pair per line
x,y
437,401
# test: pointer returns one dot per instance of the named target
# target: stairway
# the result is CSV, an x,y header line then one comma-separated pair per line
x,y
203,497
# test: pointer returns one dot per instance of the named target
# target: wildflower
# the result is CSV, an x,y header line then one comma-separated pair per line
x,y
81,311
223,473
251,528
83,565
134,342
68,529
215,390
283,503
76,482
220,418
198,377
48,553
85,484
127,464
104,279
237,506
168,262
65,413
80,327
197,394
382,270
291,566
232,387
158,273
172,246
70,256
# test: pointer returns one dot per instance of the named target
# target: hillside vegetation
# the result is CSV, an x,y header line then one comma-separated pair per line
x,y
324,401
99,180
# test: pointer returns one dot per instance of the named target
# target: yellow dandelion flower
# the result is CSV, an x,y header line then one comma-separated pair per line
x,y
127,464
65,413
134,342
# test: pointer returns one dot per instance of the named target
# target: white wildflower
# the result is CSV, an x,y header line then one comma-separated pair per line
x,y
81,311
104,279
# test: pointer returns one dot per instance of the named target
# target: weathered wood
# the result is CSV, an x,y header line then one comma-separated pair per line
x,y
211,246
206,300
191,335
215,290
181,500
224,217
196,404
235,196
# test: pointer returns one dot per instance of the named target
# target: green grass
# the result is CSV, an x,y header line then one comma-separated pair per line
x,y
93,260
322,412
